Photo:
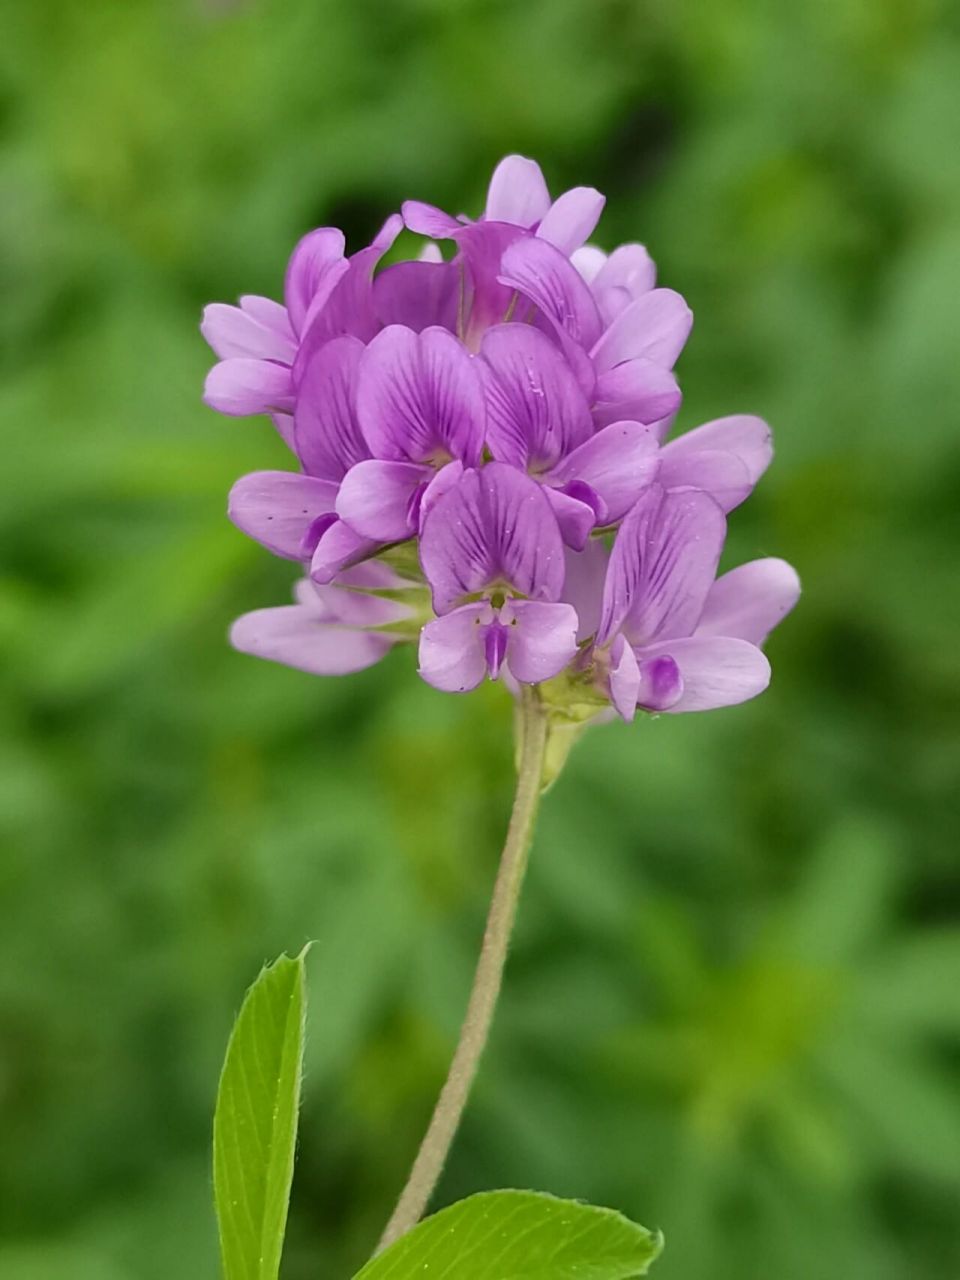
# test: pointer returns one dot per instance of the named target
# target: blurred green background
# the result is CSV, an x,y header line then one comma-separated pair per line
x,y
733,1006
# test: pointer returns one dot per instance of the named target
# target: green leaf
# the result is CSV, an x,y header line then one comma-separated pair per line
x,y
518,1235
255,1126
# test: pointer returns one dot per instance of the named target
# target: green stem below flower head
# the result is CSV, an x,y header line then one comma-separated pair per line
x,y
426,1170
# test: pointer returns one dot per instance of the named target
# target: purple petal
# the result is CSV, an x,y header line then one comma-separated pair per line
x,y
494,526
249,330
339,602
418,295
635,391
661,683
443,480
663,563
310,264
575,518
327,436
542,638
285,430
742,434
339,548
617,463
419,397
546,278
716,671
240,387
536,411
494,647
749,601
624,679
655,326
452,651
583,584
428,220
375,498
297,637
571,218
588,260
517,192
482,246
626,274
279,508
723,475
349,306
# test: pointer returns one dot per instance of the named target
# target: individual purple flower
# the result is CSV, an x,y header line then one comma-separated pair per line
x,y
492,554
260,341
420,407
538,420
330,630
671,637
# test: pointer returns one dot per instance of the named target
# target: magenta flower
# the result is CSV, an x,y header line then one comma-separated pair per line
x,y
674,638
492,554
470,435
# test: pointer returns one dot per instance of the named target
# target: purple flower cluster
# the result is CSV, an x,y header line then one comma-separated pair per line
x,y
483,465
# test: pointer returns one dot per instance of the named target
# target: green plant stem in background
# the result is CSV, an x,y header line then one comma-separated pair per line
x,y
532,741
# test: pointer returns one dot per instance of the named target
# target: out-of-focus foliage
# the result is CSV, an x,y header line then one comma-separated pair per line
x,y
732,1008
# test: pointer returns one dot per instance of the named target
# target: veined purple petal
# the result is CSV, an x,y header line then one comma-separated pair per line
x,y
428,220
742,434
309,266
349,306
419,397
375,498
279,508
583,584
723,475
452,651
517,192
482,246
575,518
339,548
749,601
295,636
541,638
249,331
494,647
536,412
656,327
546,278
327,436
494,526
571,218
617,463
240,387
635,391
663,563
717,671
418,295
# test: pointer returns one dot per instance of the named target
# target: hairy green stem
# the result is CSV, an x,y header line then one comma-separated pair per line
x,y
426,1170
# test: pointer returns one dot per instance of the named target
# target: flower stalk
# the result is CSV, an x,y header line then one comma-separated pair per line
x,y
428,1165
